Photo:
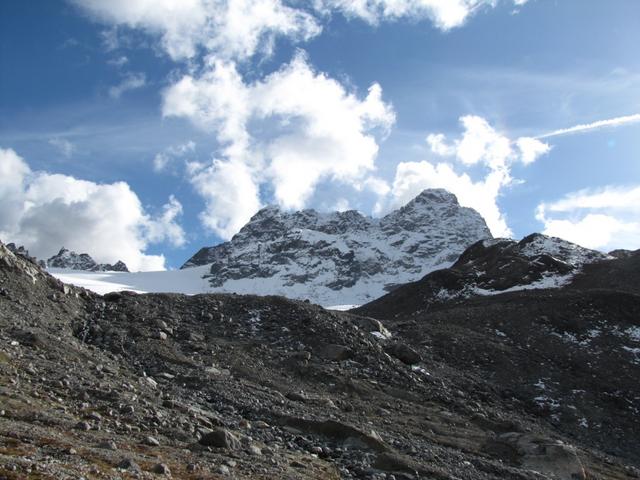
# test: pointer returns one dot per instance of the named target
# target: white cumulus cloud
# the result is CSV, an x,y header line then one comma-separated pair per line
x,y
479,144
45,211
131,81
238,29
164,159
287,131
445,14
230,28
605,218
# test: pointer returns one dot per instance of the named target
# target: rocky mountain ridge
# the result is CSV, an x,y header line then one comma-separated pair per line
x,y
342,257
70,260
491,267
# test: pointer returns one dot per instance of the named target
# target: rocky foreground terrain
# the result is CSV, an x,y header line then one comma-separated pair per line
x,y
530,384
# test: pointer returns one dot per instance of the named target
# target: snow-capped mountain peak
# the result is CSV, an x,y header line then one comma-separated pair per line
x,y
342,257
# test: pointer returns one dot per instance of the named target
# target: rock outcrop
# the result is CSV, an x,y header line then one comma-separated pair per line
x,y
70,260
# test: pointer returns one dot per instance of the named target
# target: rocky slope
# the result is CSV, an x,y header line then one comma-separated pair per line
x,y
342,258
73,261
231,386
491,267
551,351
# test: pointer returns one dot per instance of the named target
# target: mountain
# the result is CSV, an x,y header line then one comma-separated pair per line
x,y
341,257
491,267
511,386
70,260
556,328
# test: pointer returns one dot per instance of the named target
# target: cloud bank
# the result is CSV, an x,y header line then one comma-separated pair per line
x,y
444,14
286,133
238,29
46,211
479,145
605,218
232,29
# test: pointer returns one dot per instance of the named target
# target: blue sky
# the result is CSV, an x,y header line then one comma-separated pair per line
x,y
144,130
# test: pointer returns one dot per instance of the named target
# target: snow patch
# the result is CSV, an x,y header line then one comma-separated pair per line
x,y
551,281
341,308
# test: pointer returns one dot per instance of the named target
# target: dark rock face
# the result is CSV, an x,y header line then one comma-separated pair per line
x,y
511,386
490,267
575,333
71,260
342,257
119,266
624,253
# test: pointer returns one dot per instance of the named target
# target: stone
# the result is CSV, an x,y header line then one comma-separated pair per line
x,y
220,438
94,416
404,353
334,353
84,426
223,470
128,464
161,469
538,453
296,397
151,441
254,450
108,445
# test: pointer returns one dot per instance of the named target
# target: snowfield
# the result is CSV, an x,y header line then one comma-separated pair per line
x,y
169,281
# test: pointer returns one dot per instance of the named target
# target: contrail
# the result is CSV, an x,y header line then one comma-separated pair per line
x,y
612,122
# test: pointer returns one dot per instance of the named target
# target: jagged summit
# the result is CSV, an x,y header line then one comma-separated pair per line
x,y
68,259
342,257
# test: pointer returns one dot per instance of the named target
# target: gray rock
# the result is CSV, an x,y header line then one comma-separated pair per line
x,y
254,450
404,353
221,438
85,426
151,441
161,469
108,445
334,353
223,470
128,464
